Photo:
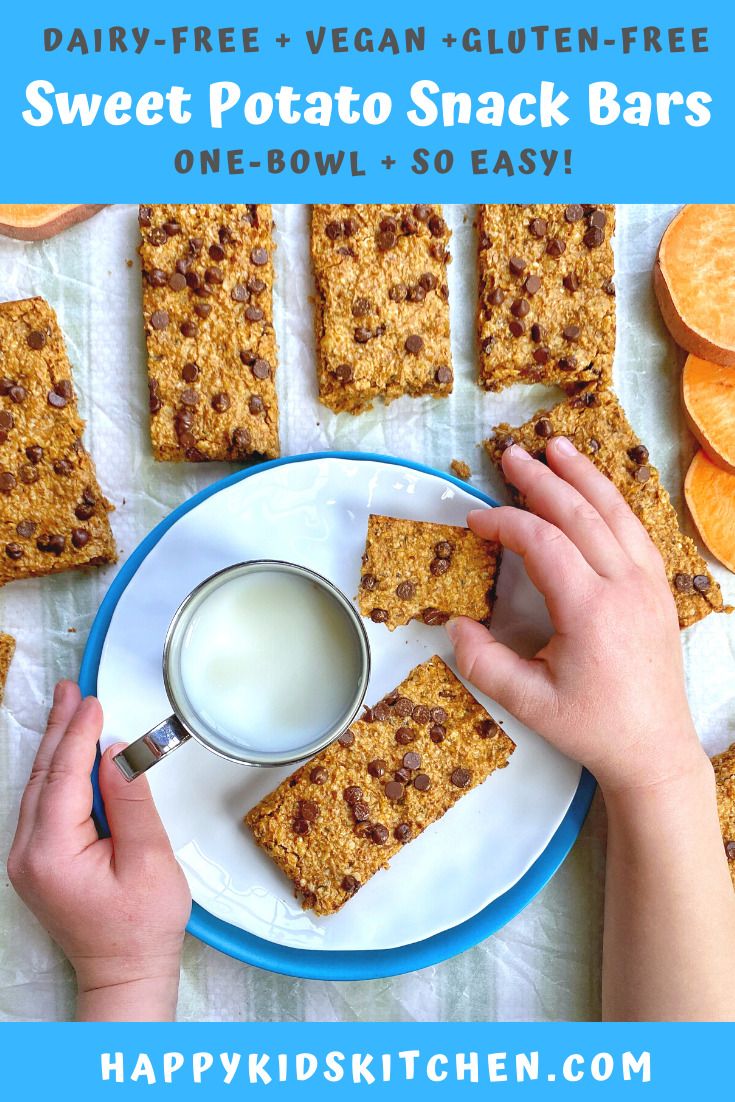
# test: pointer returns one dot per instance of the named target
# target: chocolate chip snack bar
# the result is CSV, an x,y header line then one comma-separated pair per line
x,y
7,650
381,315
208,306
596,423
546,310
339,819
53,515
413,570
724,766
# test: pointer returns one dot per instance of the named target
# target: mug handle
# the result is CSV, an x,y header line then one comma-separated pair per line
x,y
140,755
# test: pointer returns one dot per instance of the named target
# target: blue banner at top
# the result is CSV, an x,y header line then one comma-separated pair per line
x,y
333,102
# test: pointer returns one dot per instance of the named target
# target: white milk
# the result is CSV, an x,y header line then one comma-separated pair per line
x,y
269,661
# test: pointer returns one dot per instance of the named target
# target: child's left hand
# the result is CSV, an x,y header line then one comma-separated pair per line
x,y
117,906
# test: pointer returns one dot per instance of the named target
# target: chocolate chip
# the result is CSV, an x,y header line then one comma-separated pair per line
x,y
570,332
642,474
443,549
571,282
567,363
402,833
532,285
239,293
36,339
34,453
701,583
405,590
422,783
486,728
177,281
517,265
422,212
159,319
428,281
598,219
385,240
402,775
360,811
309,810
461,778
344,373
318,775
157,236
381,712
683,583
404,735
486,346
190,397
394,790
414,344
520,308
13,551
214,275
437,733
301,827
54,544
379,834
202,309
6,420
347,737
496,297
254,313
593,446
379,615
241,441
352,794
171,228
536,332
368,581
433,617
256,285
144,216
639,454
7,482
403,707
18,394
398,292
573,213
259,256
84,511
255,404
63,467
541,356
221,402
79,537
544,427
555,248
377,767
333,230
438,715
350,885
594,237
361,307
261,369
537,226
189,329
25,529
517,328
609,287
420,714
189,372
363,335
439,567
443,374
412,760
730,850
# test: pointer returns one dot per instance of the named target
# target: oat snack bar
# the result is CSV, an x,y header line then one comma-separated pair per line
x,y
7,650
596,423
341,817
381,314
414,570
53,515
724,766
208,308
546,311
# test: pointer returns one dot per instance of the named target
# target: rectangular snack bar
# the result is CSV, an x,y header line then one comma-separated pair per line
x,y
546,311
382,315
208,307
7,650
339,819
724,766
414,570
53,515
596,423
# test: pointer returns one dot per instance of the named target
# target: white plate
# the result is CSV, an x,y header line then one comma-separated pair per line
x,y
315,512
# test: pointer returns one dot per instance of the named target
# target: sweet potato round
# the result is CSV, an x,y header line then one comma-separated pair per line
x,y
694,278
708,392
35,222
710,495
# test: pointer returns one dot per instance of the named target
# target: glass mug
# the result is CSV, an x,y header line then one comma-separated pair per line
x,y
265,639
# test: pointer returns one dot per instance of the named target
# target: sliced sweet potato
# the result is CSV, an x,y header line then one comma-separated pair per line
x,y
708,391
694,277
710,495
34,222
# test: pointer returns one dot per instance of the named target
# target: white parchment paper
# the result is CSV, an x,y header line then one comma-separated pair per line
x,y
545,964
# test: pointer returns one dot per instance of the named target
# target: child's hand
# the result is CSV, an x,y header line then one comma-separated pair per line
x,y
117,906
608,689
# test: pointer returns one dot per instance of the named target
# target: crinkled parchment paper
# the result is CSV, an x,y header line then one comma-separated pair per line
x,y
546,963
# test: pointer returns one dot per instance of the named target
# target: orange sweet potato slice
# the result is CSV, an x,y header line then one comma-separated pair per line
x,y
710,495
694,278
34,222
708,391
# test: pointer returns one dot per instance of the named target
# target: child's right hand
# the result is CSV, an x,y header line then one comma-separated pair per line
x,y
608,688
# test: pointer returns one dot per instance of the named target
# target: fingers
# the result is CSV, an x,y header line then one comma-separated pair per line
x,y
515,683
551,497
555,566
577,470
65,799
66,700
134,822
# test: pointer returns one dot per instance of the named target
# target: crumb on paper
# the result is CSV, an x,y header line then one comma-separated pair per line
x,y
461,469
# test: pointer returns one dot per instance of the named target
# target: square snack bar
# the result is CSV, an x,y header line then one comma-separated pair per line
x,y
208,306
414,570
7,650
53,515
724,766
596,423
339,819
382,315
546,310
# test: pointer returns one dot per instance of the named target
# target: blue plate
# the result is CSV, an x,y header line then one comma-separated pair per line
x,y
314,963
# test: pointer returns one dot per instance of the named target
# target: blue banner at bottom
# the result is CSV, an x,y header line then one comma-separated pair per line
x,y
390,1060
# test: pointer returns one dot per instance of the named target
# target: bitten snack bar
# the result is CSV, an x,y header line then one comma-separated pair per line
x,y
7,650
596,424
53,515
546,310
208,306
724,766
382,315
413,570
340,818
